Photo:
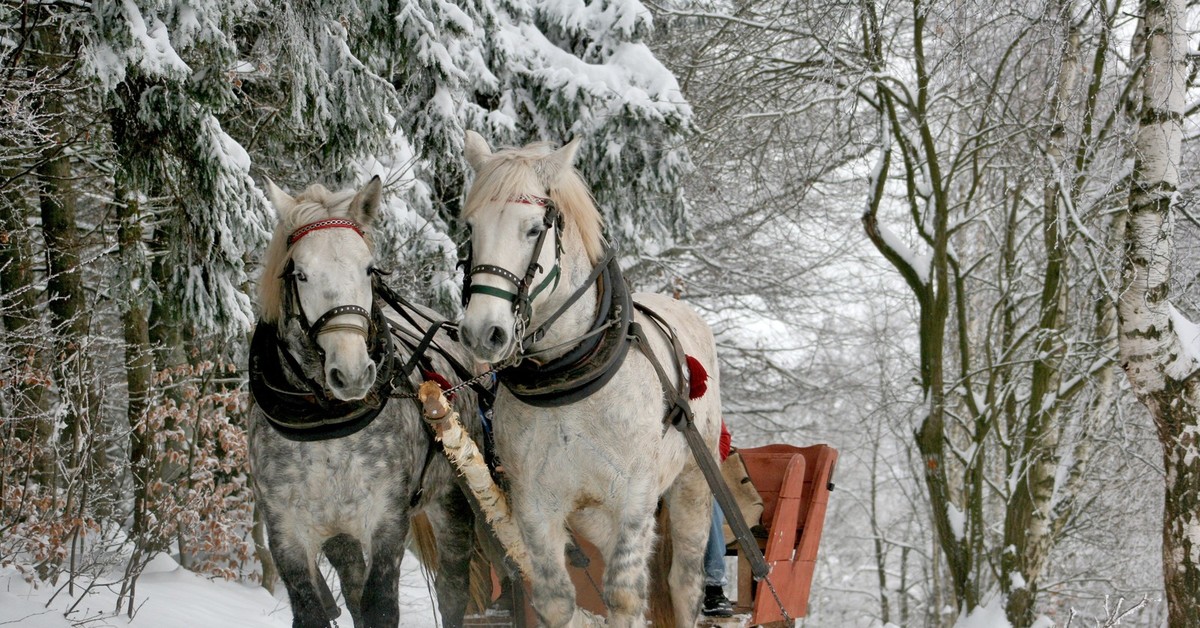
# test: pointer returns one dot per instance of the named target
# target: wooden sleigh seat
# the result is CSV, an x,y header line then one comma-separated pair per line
x,y
794,483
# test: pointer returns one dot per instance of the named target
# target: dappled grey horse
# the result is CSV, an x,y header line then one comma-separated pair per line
x,y
339,468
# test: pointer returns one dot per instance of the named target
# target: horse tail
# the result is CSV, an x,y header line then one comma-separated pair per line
x,y
420,532
480,597
662,612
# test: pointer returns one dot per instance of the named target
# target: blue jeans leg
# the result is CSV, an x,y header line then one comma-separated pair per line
x,y
714,553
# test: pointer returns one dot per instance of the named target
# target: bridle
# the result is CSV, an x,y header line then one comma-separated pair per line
x,y
522,299
298,406
295,309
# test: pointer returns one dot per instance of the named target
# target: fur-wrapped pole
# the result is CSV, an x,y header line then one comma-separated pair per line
x,y
464,454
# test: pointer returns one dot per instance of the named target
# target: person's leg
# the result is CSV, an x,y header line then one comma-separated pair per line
x,y
714,554
715,602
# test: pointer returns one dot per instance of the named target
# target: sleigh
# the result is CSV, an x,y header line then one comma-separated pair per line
x,y
794,484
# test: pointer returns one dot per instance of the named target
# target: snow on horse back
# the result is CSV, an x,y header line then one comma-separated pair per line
x,y
583,414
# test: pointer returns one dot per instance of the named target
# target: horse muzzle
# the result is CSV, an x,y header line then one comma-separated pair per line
x,y
488,341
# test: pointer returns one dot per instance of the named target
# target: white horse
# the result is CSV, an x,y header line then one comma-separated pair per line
x,y
595,458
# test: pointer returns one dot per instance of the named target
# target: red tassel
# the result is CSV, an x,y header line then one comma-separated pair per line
x,y
697,378
434,376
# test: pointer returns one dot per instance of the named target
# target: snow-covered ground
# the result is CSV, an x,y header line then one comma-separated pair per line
x,y
171,597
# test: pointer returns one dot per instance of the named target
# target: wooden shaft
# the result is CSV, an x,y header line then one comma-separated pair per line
x,y
464,454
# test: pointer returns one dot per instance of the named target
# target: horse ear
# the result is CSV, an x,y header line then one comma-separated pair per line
x,y
364,207
552,166
280,199
476,150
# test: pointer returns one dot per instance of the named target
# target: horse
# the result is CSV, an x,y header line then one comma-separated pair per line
x,y
336,467
579,422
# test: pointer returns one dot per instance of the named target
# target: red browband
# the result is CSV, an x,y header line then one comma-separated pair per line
x,y
331,223
529,199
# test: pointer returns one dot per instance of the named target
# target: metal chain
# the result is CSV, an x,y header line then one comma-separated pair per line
x,y
775,594
452,389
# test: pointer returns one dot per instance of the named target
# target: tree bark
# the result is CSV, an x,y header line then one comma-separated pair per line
x,y
1163,373
32,424
68,309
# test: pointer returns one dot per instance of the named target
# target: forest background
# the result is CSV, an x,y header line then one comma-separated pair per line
x,y
957,240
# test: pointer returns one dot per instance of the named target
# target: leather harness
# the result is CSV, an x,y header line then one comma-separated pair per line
x,y
599,354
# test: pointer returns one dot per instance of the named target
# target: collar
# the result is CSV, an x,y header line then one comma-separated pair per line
x,y
588,366
298,407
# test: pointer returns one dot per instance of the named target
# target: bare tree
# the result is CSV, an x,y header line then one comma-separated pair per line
x,y
996,135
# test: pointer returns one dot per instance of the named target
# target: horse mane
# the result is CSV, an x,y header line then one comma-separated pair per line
x,y
513,171
314,203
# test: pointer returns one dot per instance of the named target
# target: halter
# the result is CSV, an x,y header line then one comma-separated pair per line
x,y
522,299
321,325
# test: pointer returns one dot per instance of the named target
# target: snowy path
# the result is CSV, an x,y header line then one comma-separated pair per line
x,y
170,597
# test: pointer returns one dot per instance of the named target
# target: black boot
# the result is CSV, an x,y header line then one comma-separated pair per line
x,y
715,602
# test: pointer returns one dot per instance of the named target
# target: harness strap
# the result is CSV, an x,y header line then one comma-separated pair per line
x,y
321,325
330,223
419,351
540,332
431,452
680,415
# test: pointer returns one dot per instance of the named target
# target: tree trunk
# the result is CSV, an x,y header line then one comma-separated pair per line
x,y
69,314
32,425
139,360
1028,520
1164,373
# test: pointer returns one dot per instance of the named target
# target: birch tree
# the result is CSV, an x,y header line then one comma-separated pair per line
x,y
1159,346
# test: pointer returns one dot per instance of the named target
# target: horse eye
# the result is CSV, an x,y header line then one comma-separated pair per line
x,y
536,231
300,276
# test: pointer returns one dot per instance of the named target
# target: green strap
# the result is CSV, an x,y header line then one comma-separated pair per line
x,y
550,276
495,292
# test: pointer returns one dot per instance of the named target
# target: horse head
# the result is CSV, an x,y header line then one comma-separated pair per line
x,y
318,282
525,208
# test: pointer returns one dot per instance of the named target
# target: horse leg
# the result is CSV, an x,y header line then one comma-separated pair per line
x,y
381,591
345,553
545,534
453,525
297,568
689,502
626,564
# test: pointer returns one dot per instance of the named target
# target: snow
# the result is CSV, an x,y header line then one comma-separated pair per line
x,y
1189,341
918,262
990,615
957,520
157,55
169,596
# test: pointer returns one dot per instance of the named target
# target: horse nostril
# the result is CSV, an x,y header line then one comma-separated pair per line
x,y
369,374
335,378
496,336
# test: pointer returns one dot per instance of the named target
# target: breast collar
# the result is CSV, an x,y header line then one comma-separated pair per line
x,y
588,366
